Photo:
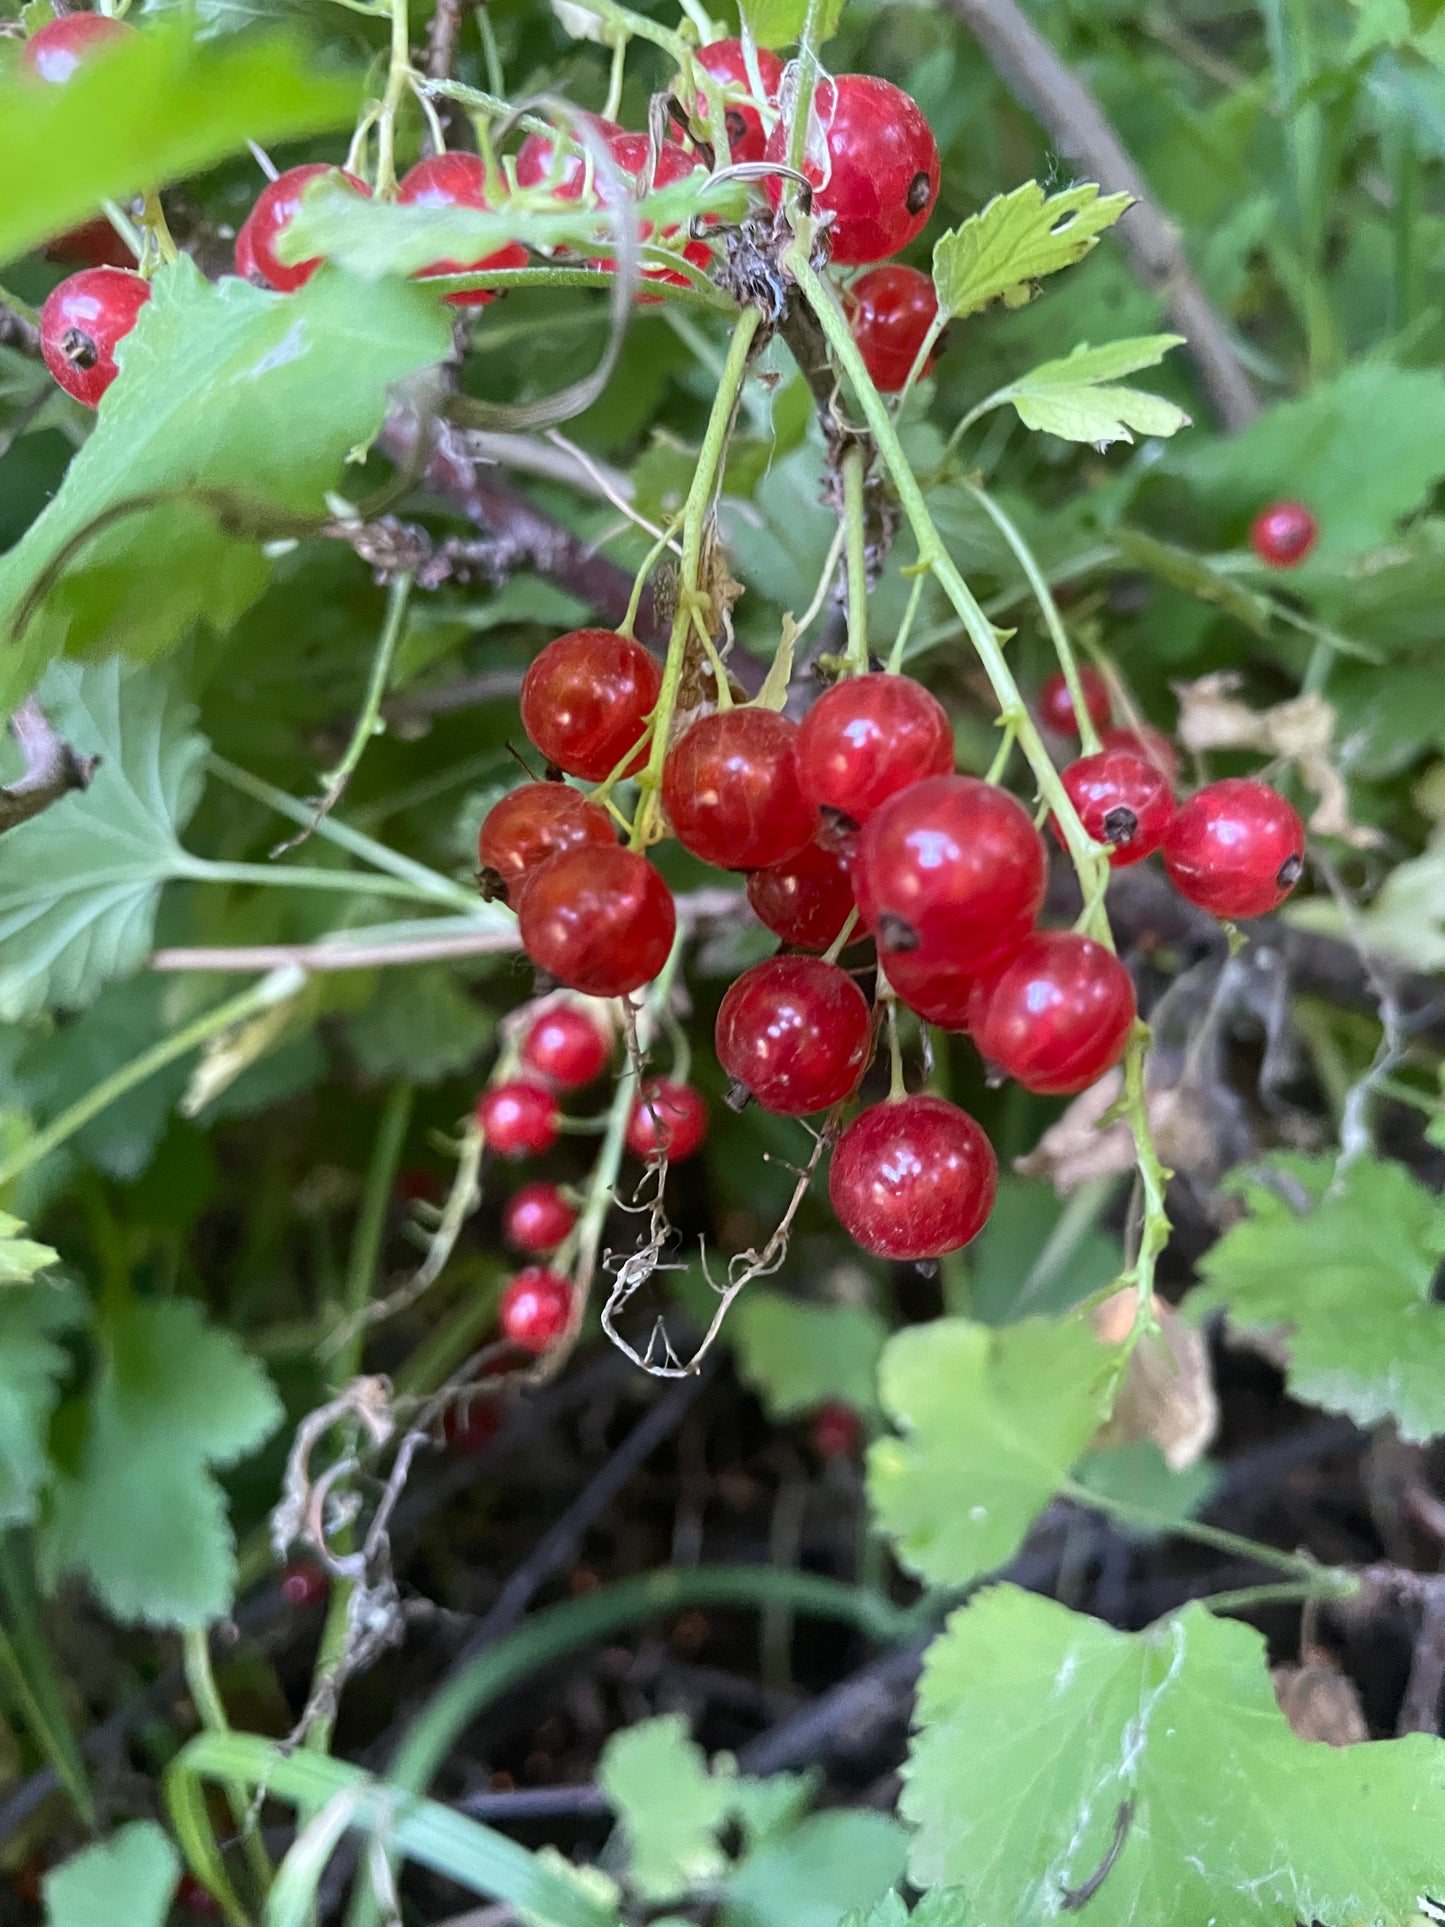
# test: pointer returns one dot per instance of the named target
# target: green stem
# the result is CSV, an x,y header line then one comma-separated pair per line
x,y
856,542
1303,1569
397,77
28,1666
1153,1179
905,628
211,1711
1330,1583
298,876
807,83
368,723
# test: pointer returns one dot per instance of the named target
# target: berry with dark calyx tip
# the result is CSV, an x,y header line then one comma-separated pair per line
x,y
586,698
601,921
1056,702
80,324
1120,799
726,62
534,822
835,1431
537,1219
472,1423
276,207
1057,1015
1283,534
913,1178
795,1033
94,244
891,310
879,178
669,1117
1236,848
457,180
518,1119
303,1585
1146,741
953,869
867,738
54,51
536,1308
806,899
730,787
535,161
566,1046
931,990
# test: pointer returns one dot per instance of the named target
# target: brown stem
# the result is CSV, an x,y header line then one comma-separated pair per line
x,y
52,767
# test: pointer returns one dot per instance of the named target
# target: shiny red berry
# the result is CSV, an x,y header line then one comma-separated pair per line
x,y
891,310
537,821
836,1431
913,1178
1121,799
795,1032
933,990
538,164
586,699
725,61
81,322
1057,1015
806,899
537,1219
1236,848
518,1119
54,51
633,156
879,175
536,1308
94,244
601,921
730,786
457,180
276,207
867,738
1150,743
566,1046
1283,534
667,1117
303,1585
1056,704
952,868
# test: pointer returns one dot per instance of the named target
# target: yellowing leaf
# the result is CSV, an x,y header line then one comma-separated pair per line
x,y
1001,253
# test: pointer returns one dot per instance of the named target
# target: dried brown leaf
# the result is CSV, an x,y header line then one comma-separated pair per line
x,y
1319,1702
1168,1389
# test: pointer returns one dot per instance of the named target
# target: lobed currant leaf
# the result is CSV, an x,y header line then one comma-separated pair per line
x,y
669,1806
1080,400
132,1877
999,253
21,1258
812,1874
798,1355
33,1363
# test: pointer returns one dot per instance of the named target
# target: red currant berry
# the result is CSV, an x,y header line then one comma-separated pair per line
x,y
1056,704
537,821
537,1219
867,738
1236,849
536,1308
537,165
1121,799
932,990
457,180
1150,743
303,1585
518,1120
586,698
94,244
276,207
806,899
953,869
1057,1015
725,61
836,1431
82,321
667,1117
193,1898
913,1178
879,177
601,921
472,1423
1283,534
795,1032
730,786
54,51
567,1047
891,311
633,155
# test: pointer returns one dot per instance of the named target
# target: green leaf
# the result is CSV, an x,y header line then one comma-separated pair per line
x,y
139,1514
1405,919
669,1805
231,418
991,1422
155,108
1003,251
778,23
797,1355
1136,1474
131,1877
1185,570
1045,1737
33,1364
21,1258
1346,1268
421,1025
79,883
1080,400
813,1875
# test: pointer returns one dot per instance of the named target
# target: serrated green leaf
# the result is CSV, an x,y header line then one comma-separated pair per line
x,y
1346,1268
33,1364
132,1877
778,23
670,1807
421,1025
1000,253
21,1258
1406,917
798,1355
817,1872
1079,399
991,1421
139,1514
1039,1729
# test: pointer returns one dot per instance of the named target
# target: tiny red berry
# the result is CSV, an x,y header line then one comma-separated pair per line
x,y
1283,534
1150,743
667,1116
1056,1016
276,207
518,1119
934,991
806,899
726,62
54,51
534,822
730,787
867,738
586,698
836,1431
1056,702
303,1585
472,1423
537,1219
913,1178
457,180
878,177
601,921
891,310
795,1032
536,1308
1123,800
80,324
193,1898
539,165
567,1046
1236,848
